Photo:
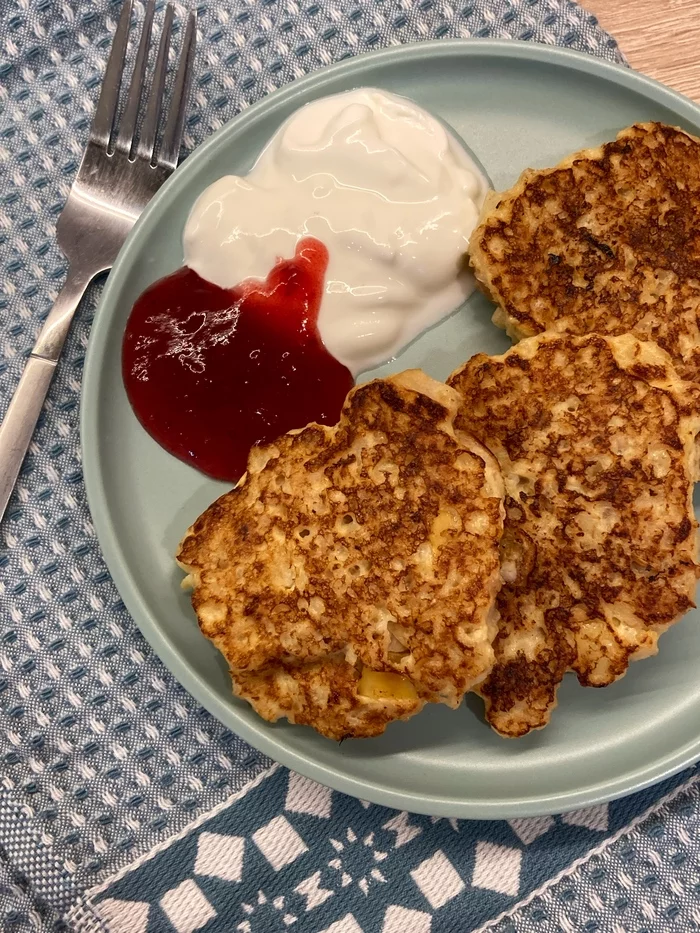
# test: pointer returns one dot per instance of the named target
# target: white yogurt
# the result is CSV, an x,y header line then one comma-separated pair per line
x,y
387,189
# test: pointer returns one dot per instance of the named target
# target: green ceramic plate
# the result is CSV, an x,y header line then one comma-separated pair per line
x,y
516,105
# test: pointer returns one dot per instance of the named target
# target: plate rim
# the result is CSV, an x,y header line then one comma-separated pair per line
x,y
258,735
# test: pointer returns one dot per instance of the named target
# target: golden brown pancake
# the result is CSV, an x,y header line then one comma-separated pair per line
x,y
606,242
351,576
594,436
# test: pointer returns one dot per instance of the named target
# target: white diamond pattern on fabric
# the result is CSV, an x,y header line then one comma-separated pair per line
x,y
527,830
126,916
346,924
187,908
590,818
438,880
306,796
400,920
497,868
220,856
279,842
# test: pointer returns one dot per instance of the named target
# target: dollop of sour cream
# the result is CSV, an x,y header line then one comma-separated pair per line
x,y
384,186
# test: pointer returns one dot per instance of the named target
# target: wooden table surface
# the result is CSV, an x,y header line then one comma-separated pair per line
x,y
659,37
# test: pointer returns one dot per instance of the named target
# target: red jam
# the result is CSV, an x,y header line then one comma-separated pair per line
x,y
210,371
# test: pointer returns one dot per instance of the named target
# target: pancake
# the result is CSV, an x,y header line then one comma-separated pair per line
x,y
351,576
606,242
595,439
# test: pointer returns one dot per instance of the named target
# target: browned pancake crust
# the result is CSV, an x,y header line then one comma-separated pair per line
x,y
595,439
606,242
375,541
322,692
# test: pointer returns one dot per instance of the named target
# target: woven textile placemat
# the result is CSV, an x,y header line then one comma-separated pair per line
x,y
124,806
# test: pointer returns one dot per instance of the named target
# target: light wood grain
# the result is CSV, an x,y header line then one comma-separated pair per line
x,y
659,37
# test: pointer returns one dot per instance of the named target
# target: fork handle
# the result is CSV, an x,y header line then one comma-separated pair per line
x,y
18,424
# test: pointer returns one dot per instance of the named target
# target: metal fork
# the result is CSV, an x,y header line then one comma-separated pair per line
x,y
117,177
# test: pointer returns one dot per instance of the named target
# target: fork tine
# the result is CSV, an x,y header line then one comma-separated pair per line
x,y
150,121
105,112
172,135
127,126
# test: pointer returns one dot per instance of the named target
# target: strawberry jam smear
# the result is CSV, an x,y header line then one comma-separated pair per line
x,y
211,371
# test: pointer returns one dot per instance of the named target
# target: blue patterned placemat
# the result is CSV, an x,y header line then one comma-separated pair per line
x,y
105,761
290,852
